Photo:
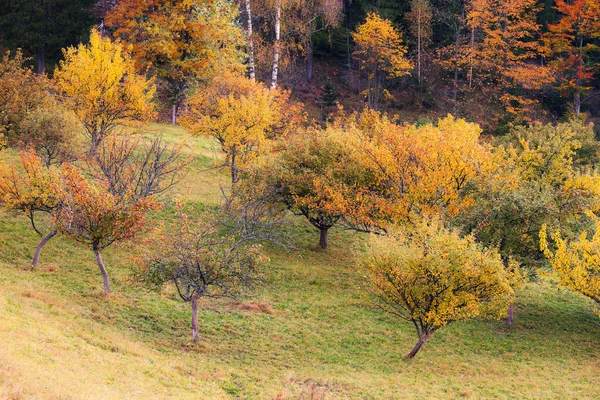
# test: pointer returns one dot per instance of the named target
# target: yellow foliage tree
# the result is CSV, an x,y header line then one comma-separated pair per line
x,y
418,170
240,114
99,82
431,277
576,262
380,53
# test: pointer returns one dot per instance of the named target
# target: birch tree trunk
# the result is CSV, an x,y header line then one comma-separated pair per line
x,y
251,66
277,46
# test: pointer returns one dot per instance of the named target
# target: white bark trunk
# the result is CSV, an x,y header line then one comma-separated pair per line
x,y
277,45
251,66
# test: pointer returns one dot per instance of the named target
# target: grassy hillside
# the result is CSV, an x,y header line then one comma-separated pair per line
x,y
309,333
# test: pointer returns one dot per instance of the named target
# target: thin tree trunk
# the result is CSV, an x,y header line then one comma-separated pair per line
x,y
251,66
419,47
455,92
276,50
102,269
234,169
38,250
471,58
95,143
415,350
41,59
577,97
323,237
195,334
174,114
510,317
348,53
577,102
309,60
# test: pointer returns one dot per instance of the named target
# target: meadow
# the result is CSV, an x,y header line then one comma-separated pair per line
x,y
310,332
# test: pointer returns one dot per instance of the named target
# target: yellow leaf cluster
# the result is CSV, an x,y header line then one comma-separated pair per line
x,y
576,262
380,47
99,83
29,186
419,170
432,277
241,115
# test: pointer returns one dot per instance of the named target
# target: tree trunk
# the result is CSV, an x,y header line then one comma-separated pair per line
x,y
234,169
415,350
102,269
95,143
577,102
419,47
471,58
510,317
309,60
174,114
455,91
276,50
323,237
194,302
251,66
38,250
41,59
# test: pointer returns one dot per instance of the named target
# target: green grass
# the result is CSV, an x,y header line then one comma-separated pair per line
x,y
309,333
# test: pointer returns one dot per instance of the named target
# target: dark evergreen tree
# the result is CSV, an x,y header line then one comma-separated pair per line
x,y
43,27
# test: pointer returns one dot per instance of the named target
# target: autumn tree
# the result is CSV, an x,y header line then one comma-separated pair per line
x,y
54,134
91,215
539,178
432,277
380,54
575,262
108,202
241,115
182,43
572,48
503,51
314,173
416,170
31,188
21,92
202,263
99,83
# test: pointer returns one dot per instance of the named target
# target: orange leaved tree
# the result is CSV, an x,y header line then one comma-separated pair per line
x,y
180,42
504,51
31,188
21,92
92,215
572,47
315,173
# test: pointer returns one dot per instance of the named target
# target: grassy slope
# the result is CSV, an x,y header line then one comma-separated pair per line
x,y
310,333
